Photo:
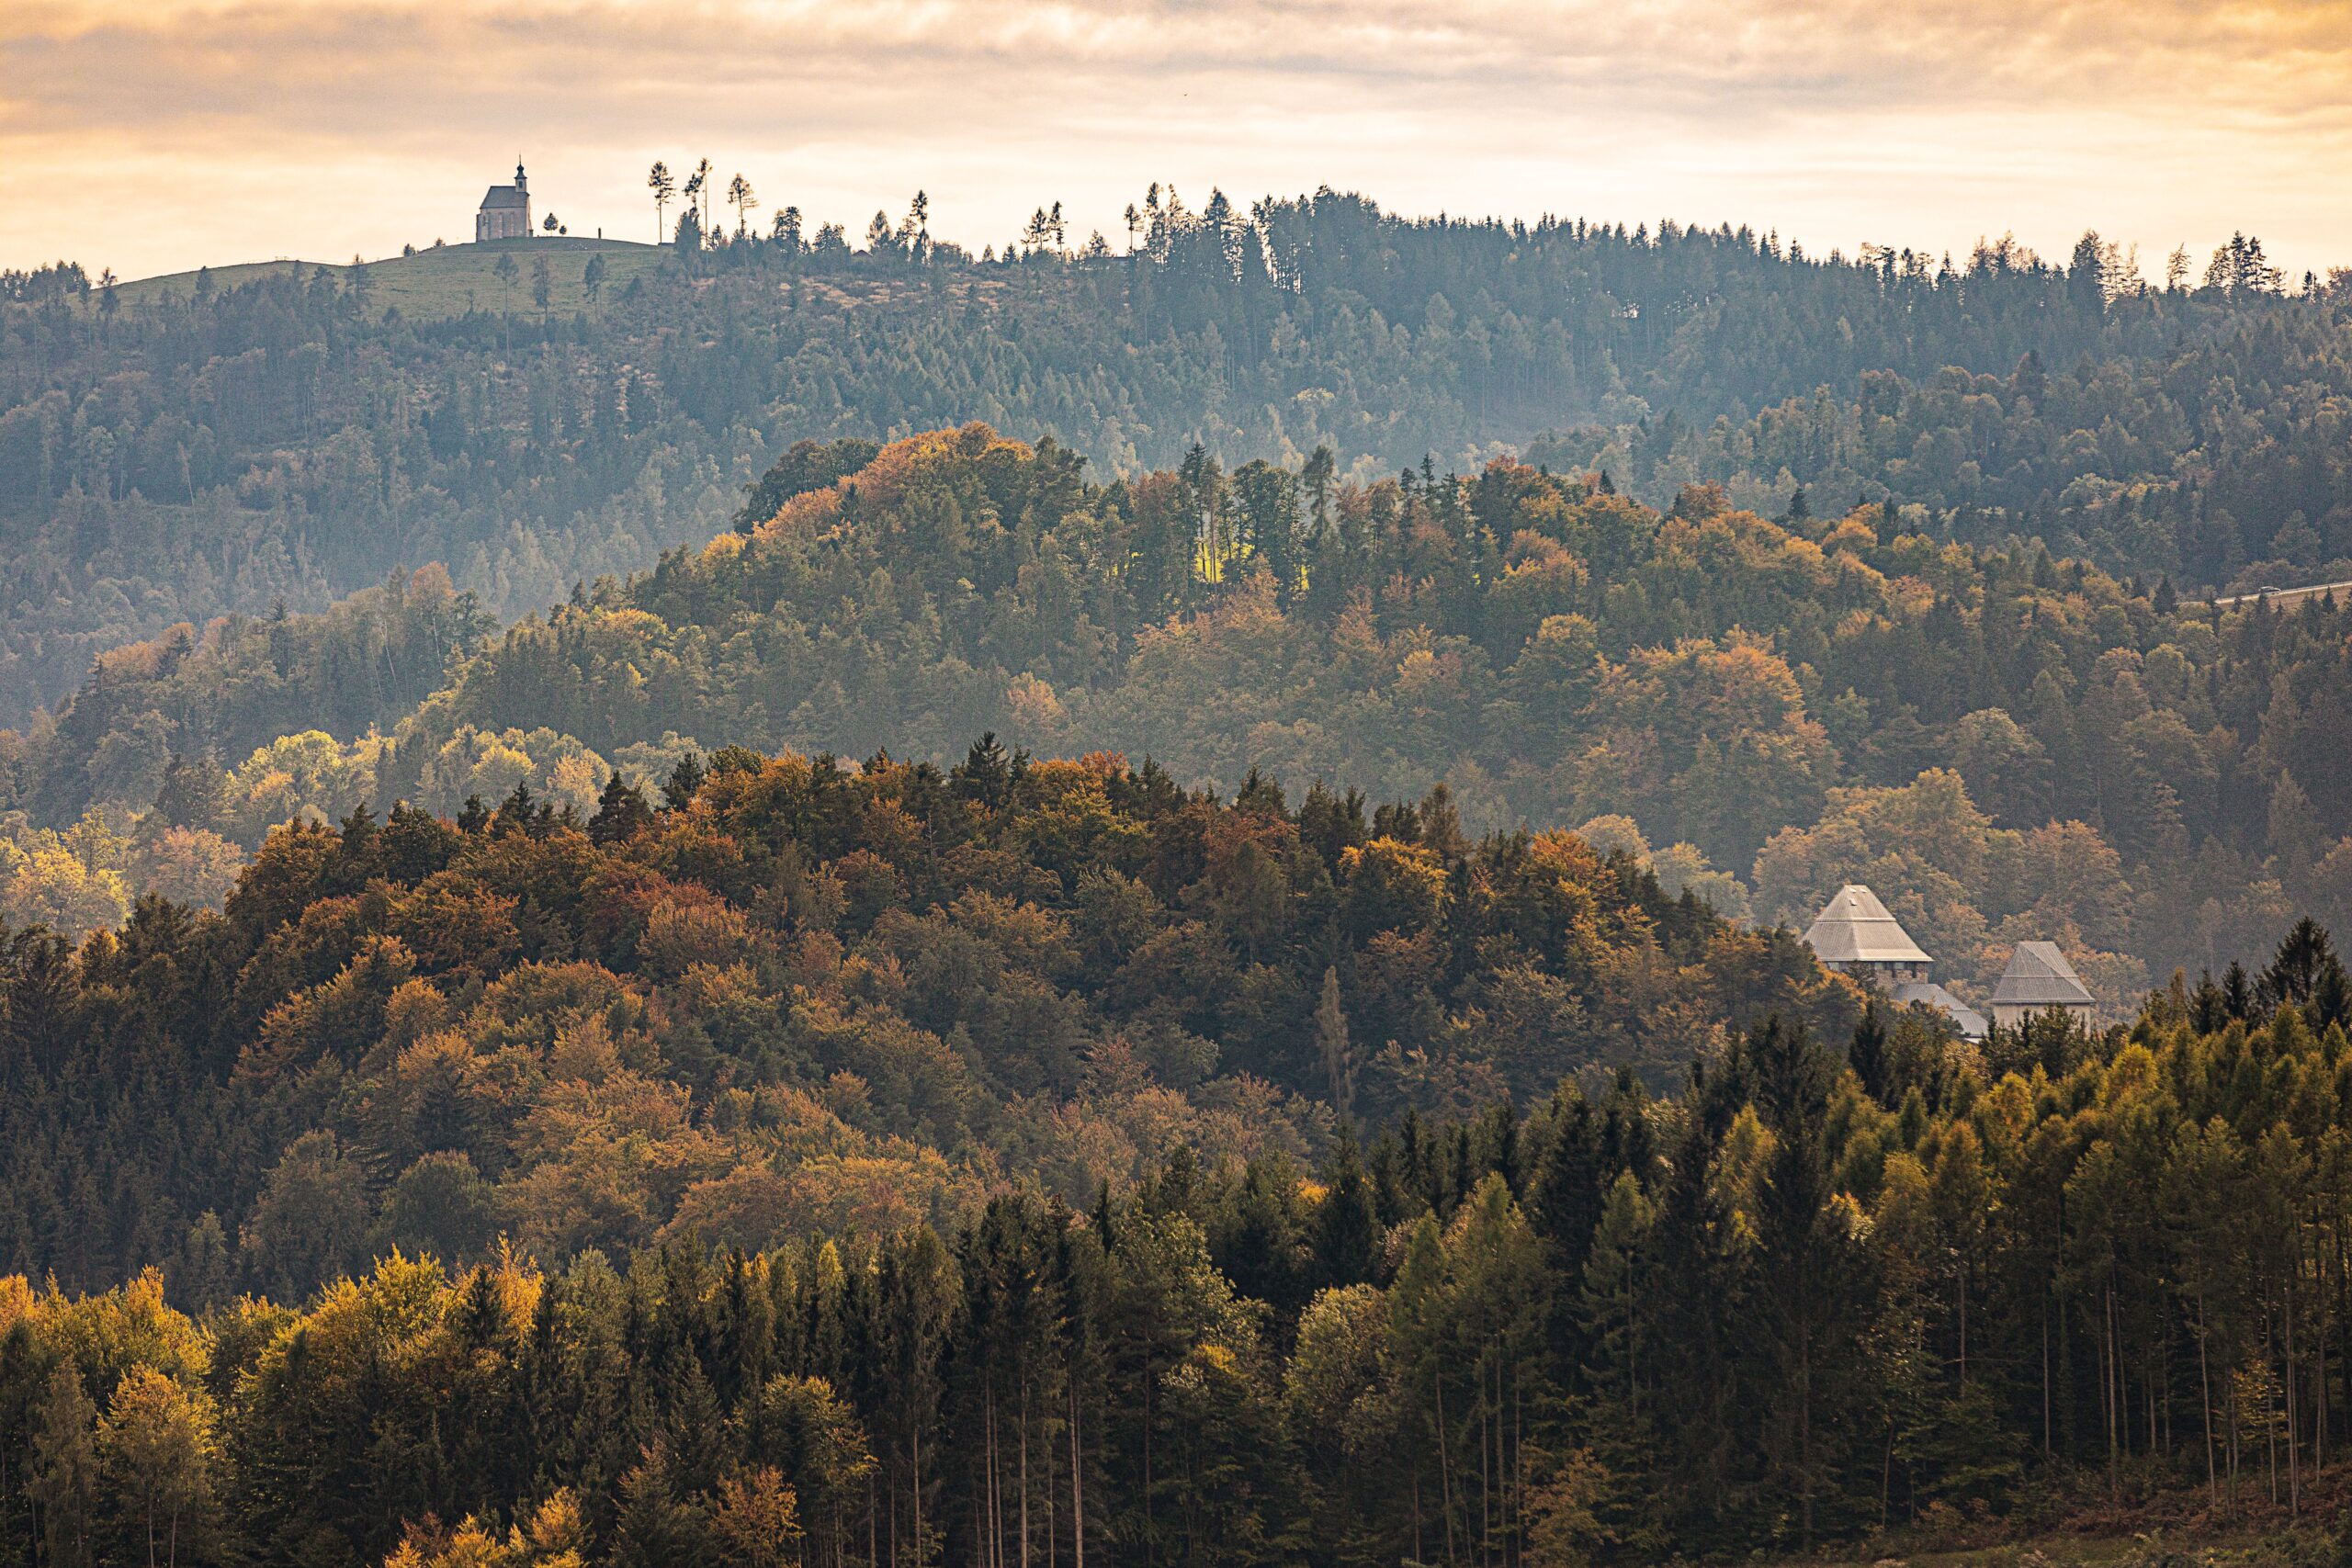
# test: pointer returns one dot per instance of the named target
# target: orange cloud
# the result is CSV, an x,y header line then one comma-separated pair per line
x,y
157,134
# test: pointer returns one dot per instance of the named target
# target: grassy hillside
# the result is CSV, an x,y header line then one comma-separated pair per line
x,y
447,280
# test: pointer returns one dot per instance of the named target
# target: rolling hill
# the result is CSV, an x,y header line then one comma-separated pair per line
x,y
442,282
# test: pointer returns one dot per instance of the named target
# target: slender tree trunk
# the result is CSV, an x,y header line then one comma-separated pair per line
x,y
1077,1481
1804,1434
2326,1300
2109,1353
1445,1470
1963,1274
1886,1476
1519,1467
2235,1448
2045,1377
993,1545
2294,1409
2205,1385
2164,1368
1485,1477
1150,1544
1024,1472
2270,1422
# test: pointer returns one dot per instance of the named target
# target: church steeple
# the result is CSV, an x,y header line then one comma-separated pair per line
x,y
505,212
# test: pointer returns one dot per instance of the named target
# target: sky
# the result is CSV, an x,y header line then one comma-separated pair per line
x,y
152,136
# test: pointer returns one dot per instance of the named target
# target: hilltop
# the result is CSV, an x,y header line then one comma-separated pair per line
x,y
439,283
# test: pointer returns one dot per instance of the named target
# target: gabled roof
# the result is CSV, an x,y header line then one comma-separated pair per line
x,y
1970,1023
502,195
1854,928
2039,976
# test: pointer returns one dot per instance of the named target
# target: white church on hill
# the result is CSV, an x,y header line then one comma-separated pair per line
x,y
1855,935
506,212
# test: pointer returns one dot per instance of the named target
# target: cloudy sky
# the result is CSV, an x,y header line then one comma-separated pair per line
x,y
153,135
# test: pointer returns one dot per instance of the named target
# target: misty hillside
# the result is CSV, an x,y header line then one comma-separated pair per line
x,y
174,453
2007,745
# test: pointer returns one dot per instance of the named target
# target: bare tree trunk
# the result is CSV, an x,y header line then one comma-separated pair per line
x,y
994,1543
1804,1435
1519,1468
1961,1274
2046,1433
2326,1300
1150,1544
1485,1477
2233,1445
2270,1427
1077,1481
2294,1422
1445,1470
2205,1384
2107,1352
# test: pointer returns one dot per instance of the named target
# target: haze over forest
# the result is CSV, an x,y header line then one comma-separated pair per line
x,y
821,895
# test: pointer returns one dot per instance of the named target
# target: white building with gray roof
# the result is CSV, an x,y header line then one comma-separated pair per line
x,y
2039,978
1854,934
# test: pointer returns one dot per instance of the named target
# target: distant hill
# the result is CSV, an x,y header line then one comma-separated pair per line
x,y
292,439
2005,745
445,281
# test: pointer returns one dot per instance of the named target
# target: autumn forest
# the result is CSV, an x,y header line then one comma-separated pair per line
x,y
867,906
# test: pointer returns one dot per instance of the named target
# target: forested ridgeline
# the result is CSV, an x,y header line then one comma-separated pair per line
x,y
190,453
1816,1295
797,997
2007,746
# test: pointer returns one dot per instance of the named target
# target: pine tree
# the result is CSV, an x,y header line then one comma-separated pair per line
x,y
621,813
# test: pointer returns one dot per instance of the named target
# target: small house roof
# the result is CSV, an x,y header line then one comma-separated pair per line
x,y
2039,976
1854,928
501,196
1970,1023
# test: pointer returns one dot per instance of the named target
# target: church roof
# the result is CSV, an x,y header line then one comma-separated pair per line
x,y
1970,1022
502,196
2039,976
1854,928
